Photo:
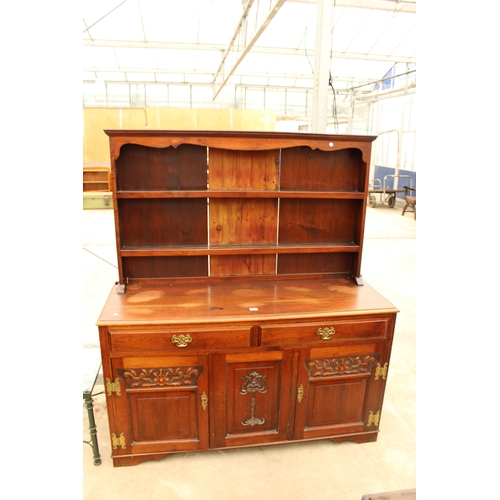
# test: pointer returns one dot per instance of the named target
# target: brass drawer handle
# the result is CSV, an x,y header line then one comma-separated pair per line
x,y
325,333
181,340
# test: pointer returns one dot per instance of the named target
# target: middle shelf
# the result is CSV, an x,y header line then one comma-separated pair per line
x,y
353,195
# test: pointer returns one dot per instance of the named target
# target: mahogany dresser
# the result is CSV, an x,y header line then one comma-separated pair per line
x,y
240,317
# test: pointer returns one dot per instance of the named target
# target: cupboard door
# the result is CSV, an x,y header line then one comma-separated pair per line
x,y
252,398
163,405
338,391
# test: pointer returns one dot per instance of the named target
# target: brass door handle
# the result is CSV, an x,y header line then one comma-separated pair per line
x,y
204,401
181,340
300,393
326,333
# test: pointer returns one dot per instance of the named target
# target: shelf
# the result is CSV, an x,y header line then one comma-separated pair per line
x,y
187,250
226,205
353,195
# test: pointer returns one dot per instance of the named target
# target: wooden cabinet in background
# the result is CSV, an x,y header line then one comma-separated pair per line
x,y
96,178
240,317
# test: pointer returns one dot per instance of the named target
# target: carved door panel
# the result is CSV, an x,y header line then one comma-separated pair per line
x,y
339,391
252,398
163,404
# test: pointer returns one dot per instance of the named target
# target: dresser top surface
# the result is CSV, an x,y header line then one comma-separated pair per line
x,y
232,133
191,302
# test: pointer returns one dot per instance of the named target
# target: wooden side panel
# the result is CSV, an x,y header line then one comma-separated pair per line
x,y
164,267
313,170
242,265
318,220
163,222
251,170
140,168
243,221
319,263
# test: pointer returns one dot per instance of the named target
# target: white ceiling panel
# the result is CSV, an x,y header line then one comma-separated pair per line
x,y
255,80
289,27
365,71
136,58
217,20
115,76
304,83
198,78
207,61
98,57
345,68
171,78
161,25
399,30
279,82
347,27
406,48
140,77
257,63
184,41
120,20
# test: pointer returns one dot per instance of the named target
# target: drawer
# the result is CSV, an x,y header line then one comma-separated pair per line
x,y
179,340
323,333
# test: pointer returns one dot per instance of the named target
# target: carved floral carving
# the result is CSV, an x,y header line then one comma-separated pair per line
x,y
345,365
163,377
253,382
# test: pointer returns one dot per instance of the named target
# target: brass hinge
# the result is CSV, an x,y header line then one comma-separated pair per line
x,y
118,441
373,419
380,372
113,387
300,393
204,401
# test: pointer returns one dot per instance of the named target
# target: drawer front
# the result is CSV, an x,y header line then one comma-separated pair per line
x,y
179,340
324,333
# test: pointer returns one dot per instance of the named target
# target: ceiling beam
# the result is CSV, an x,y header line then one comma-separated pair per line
x,y
252,24
255,50
137,44
393,6
307,76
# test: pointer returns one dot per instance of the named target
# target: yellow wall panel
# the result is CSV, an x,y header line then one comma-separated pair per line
x,y
95,141
96,120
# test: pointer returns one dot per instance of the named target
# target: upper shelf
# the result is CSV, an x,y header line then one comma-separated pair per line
x,y
195,171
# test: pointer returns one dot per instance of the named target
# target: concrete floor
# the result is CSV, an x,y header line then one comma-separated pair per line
x,y
302,471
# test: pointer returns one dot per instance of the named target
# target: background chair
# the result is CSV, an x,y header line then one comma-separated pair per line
x,y
411,201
